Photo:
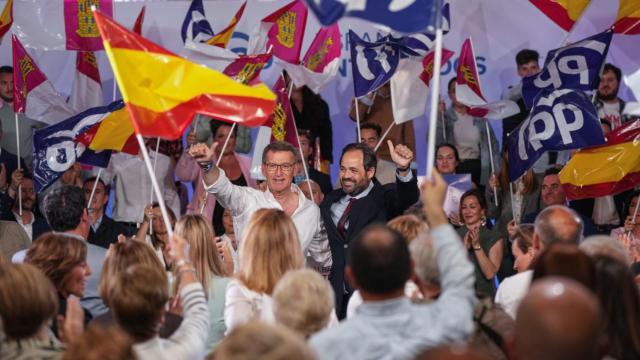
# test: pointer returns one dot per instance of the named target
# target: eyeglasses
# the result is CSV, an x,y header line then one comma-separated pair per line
x,y
286,167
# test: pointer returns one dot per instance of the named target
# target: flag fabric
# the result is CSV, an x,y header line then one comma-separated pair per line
x,y
495,110
246,68
372,64
222,38
560,120
284,30
428,61
576,66
321,62
467,86
195,26
81,33
87,88
56,148
565,13
419,44
627,21
33,94
163,91
6,18
403,16
137,26
605,170
114,132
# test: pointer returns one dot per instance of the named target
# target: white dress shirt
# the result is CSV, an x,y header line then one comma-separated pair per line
x,y
244,201
28,227
512,290
133,185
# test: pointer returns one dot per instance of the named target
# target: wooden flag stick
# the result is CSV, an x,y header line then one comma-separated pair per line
x,y
433,111
493,170
386,132
19,162
93,190
357,120
155,162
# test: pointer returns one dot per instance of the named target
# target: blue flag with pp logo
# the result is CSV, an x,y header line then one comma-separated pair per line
x,y
419,44
195,26
372,64
56,148
576,66
560,120
406,16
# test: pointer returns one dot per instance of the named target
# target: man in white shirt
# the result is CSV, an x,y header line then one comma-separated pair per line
x,y
610,107
554,224
279,166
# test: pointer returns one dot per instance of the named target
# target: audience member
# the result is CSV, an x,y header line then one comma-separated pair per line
x,y
567,261
263,262
379,267
303,301
447,158
606,246
307,141
609,106
227,244
28,303
360,201
522,247
100,344
409,226
316,193
629,234
104,231
370,135
559,319
31,221
157,237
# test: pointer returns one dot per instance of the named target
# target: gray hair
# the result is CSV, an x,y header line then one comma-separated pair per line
x,y
551,229
604,245
278,146
424,259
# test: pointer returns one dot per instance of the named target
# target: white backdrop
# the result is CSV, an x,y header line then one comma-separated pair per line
x,y
499,29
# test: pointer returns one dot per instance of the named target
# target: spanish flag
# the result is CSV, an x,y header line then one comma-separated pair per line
x,y
222,38
114,132
565,13
607,169
163,91
628,19
6,18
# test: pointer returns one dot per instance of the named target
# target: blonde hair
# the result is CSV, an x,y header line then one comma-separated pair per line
x,y
303,301
203,251
98,343
119,257
257,340
28,300
269,249
57,255
409,226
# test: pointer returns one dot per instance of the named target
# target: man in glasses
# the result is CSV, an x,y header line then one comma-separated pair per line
x,y
279,166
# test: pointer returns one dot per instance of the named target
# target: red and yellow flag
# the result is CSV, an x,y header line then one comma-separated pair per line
x,y
137,26
628,19
222,38
6,19
163,91
114,132
565,13
605,170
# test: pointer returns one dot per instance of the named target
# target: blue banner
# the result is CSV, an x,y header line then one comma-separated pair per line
x,y
372,64
409,16
195,26
576,66
560,120
56,148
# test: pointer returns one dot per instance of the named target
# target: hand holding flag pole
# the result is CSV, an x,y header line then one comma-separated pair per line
x,y
435,91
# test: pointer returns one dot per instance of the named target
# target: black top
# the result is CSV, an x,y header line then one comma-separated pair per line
x,y
62,310
218,211
315,117
107,233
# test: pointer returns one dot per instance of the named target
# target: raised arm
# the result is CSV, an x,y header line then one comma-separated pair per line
x,y
187,168
205,158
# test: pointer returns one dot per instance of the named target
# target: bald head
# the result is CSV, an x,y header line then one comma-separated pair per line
x,y
556,224
559,319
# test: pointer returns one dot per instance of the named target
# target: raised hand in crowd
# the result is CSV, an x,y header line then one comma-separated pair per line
x,y
401,156
71,326
205,156
16,179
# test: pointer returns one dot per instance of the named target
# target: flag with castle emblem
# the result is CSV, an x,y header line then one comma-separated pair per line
x,y
33,94
467,79
80,26
87,88
283,30
321,62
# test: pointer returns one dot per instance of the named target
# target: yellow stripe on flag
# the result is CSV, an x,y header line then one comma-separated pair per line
x,y
601,165
628,9
575,8
114,131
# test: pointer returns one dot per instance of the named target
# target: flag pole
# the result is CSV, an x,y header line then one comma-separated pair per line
x,y
302,159
513,205
357,119
93,190
373,99
493,170
386,132
155,162
154,183
224,146
19,162
435,94
635,212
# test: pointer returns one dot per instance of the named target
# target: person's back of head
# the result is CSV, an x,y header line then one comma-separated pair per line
x,y
257,340
604,245
64,208
98,343
567,261
303,301
557,224
559,319
408,225
56,255
28,301
137,298
380,263
424,259
620,301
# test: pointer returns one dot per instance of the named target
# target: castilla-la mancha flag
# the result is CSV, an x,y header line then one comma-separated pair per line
x,y
467,80
33,94
163,91
284,30
87,89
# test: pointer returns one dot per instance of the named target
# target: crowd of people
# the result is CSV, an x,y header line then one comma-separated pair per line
x,y
289,266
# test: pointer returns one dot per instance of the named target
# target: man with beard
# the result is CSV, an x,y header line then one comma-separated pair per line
x,y
7,117
608,104
30,220
362,201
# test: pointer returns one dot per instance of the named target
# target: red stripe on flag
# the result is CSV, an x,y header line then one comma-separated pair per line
x,y
575,192
555,12
171,124
628,26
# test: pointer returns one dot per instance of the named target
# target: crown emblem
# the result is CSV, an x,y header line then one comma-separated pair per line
x,y
26,67
248,72
279,118
287,29
86,23
316,59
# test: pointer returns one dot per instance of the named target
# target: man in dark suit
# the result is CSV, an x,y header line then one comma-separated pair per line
x,y
103,231
31,221
360,201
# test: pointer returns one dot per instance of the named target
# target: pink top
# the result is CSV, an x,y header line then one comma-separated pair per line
x,y
188,170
